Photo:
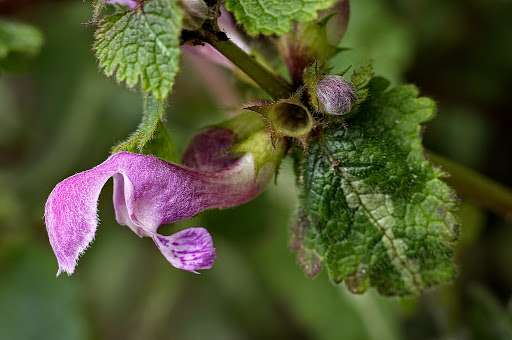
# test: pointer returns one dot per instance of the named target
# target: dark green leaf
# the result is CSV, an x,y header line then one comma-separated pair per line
x,y
373,209
142,45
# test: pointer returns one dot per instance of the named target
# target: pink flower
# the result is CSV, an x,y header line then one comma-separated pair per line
x,y
149,192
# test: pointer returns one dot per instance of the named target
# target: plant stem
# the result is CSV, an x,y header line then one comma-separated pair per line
x,y
465,181
482,189
274,85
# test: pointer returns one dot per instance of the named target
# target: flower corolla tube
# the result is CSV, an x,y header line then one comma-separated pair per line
x,y
149,192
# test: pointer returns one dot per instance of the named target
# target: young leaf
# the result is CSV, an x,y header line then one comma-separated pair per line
x,y
372,209
275,16
142,44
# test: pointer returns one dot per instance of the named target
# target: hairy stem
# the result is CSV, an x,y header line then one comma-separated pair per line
x,y
274,85
482,189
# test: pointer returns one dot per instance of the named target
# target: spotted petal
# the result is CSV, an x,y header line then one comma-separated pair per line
x,y
189,249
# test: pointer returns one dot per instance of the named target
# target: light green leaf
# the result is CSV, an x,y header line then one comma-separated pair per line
x,y
151,137
275,16
372,209
18,43
142,45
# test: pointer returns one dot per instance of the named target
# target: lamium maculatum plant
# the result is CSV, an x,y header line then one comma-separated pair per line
x,y
373,210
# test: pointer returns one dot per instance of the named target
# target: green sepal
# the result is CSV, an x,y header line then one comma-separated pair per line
x,y
244,125
253,135
263,149
287,118
312,76
361,79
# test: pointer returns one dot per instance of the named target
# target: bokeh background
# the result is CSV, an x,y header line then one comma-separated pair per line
x,y
62,116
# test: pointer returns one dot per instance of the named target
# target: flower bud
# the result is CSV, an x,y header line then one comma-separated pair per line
x,y
336,94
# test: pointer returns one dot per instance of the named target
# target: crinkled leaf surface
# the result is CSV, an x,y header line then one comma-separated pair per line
x,y
142,45
372,209
275,16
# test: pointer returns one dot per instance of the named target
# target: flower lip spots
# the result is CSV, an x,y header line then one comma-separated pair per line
x,y
164,242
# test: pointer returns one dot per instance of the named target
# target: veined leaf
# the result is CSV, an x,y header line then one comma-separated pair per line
x,y
275,16
373,210
142,45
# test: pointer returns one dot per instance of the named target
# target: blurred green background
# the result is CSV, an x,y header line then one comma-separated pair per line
x,y
62,116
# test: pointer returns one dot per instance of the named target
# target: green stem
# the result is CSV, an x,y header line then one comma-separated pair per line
x,y
469,183
275,86
465,181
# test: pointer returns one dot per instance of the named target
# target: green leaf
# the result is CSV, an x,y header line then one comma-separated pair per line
x,y
18,43
361,79
372,209
275,16
151,137
142,44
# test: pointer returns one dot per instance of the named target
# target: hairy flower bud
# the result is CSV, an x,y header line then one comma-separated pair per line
x,y
336,94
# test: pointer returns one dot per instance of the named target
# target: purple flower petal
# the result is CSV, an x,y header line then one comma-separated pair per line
x,y
205,151
149,192
71,214
336,94
189,249
126,3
